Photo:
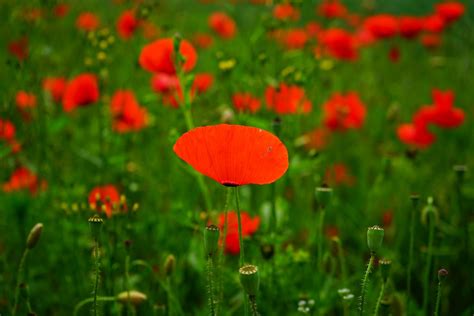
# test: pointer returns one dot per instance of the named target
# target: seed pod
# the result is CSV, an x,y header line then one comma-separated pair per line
x,y
132,297
267,250
442,275
385,265
323,196
34,236
375,238
250,279
95,224
211,240
170,265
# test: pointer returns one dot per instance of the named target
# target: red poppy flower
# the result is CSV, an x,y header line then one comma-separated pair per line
x,y
222,24
7,133
431,40
294,38
287,99
339,43
19,48
394,54
127,114
61,9
202,82
158,56
55,86
387,218
286,11
450,11
416,134
331,232
104,198
249,227
23,179
87,21
410,26
434,24
234,155
25,100
80,91
149,30
202,40
332,9
338,174
246,102
164,83
342,112
127,23
313,29
316,139
382,25
444,114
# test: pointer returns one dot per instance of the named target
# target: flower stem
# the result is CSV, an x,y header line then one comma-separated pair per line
x,y
438,300
253,305
364,283
210,283
426,287
320,238
92,300
127,282
97,272
342,261
410,258
221,250
379,300
19,277
241,241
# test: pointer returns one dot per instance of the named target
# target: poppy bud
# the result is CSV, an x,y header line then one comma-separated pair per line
x,y
385,265
170,265
211,239
267,251
442,275
415,198
323,196
34,236
132,297
375,238
428,210
250,279
95,224
460,171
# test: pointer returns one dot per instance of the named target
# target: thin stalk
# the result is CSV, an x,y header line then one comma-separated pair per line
x,y
438,300
379,300
127,283
92,300
342,262
210,282
365,280
320,238
97,272
19,277
426,283
410,257
253,305
241,241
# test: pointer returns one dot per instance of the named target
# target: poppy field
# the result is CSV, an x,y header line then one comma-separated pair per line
x,y
245,157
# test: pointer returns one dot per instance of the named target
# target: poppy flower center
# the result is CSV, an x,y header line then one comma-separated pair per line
x,y
229,184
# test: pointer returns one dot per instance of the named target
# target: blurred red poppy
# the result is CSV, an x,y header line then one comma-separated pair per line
x,y
25,100
127,114
339,43
61,9
394,54
410,26
431,40
416,134
285,11
87,21
249,227
316,139
287,99
202,82
245,102
332,9
382,25
294,38
338,174
342,112
55,86
23,179
222,24
164,83
104,198
443,113
127,23
7,133
450,11
19,48
158,56
433,24
234,155
80,91
202,40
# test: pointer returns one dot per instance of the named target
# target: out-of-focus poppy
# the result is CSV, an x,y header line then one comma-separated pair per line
x,y
164,83
222,24
394,54
127,114
294,38
416,134
313,29
331,9
450,11
410,26
80,91
342,112
234,155
202,40
387,218
249,227
431,40
32,14
339,43
202,82
245,102
25,100
338,174
158,56
149,30
286,99
316,139
87,21
19,48
285,11
127,23
382,25
55,86
23,179
61,9
434,24
443,113
104,198
7,133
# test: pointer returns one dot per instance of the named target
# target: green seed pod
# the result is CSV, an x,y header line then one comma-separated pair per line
x,y
442,275
34,236
170,265
250,279
211,240
95,224
385,266
323,196
132,297
375,238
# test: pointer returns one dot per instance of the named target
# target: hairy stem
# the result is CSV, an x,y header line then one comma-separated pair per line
x,y
92,300
379,300
253,305
19,277
220,261
127,282
426,287
438,300
320,238
97,272
210,284
241,241
365,280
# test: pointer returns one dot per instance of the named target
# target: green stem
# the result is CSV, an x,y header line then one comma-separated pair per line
x,y
172,299
426,287
127,283
410,257
320,238
210,281
379,300
239,219
364,283
438,300
97,272
253,305
342,262
93,300
19,278
221,250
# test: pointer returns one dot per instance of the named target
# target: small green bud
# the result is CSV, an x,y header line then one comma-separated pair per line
x,y
323,196
442,275
385,266
170,265
34,236
250,279
375,238
95,224
132,297
211,240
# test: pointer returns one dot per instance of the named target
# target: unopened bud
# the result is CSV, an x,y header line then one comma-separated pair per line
x,y
170,265
250,279
132,297
323,196
267,250
375,238
442,275
385,265
95,224
34,236
211,240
